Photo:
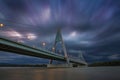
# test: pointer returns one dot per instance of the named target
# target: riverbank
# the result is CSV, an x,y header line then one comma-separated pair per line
x,y
108,63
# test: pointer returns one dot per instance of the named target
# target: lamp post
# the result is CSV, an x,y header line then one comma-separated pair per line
x,y
43,44
53,49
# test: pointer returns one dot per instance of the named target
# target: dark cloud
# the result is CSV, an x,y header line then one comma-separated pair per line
x,y
91,26
14,5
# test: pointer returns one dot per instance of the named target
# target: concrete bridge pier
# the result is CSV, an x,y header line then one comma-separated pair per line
x,y
70,65
79,65
60,65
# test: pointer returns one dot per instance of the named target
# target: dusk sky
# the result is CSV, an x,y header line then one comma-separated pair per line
x,y
89,26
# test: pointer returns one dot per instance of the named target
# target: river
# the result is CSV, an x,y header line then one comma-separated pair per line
x,y
35,73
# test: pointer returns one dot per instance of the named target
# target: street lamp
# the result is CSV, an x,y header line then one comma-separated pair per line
x,y
43,44
53,49
1,25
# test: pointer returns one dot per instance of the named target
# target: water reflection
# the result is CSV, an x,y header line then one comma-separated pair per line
x,y
99,73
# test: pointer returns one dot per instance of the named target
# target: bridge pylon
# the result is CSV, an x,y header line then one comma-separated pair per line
x,y
80,56
58,39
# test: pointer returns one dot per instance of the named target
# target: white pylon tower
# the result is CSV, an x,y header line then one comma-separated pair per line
x,y
80,55
58,39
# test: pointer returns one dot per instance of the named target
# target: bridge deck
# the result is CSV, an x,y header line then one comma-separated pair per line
x,y
18,48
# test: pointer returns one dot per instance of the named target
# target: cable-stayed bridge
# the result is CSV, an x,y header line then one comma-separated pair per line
x,y
19,48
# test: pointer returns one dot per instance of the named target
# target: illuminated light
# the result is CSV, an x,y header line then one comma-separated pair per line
x,y
1,25
53,49
43,43
31,36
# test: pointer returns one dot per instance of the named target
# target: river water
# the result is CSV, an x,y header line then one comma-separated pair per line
x,y
87,73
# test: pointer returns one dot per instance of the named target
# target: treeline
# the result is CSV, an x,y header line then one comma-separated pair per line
x,y
23,65
109,63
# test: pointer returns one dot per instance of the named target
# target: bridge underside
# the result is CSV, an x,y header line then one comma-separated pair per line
x,y
18,48
7,48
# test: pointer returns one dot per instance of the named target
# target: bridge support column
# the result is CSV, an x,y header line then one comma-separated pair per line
x,y
58,39
79,65
60,65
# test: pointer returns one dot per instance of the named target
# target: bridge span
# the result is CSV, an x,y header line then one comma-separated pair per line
x,y
19,48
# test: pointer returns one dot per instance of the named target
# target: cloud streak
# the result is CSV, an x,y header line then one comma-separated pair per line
x,y
88,25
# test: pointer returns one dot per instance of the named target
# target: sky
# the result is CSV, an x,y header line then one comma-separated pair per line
x,y
90,27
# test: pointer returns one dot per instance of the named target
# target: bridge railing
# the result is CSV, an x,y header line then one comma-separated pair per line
x,y
6,41
20,46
